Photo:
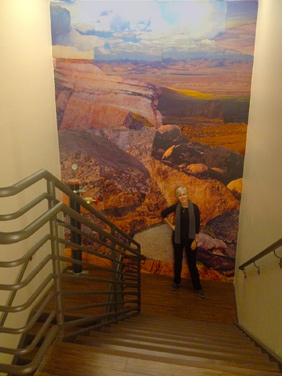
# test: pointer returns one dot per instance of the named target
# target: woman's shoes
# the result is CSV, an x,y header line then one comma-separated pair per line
x,y
174,286
200,293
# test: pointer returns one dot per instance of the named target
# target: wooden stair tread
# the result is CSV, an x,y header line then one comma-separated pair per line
x,y
176,353
239,338
181,322
180,342
160,332
178,319
78,360
179,325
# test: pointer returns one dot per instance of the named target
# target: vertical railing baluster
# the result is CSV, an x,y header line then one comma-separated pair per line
x,y
114,266
56,259
124,273
75,237
139,279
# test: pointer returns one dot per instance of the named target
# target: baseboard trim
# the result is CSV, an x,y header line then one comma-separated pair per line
x,y
271,354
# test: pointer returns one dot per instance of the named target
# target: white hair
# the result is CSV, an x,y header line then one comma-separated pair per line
x,y
179,190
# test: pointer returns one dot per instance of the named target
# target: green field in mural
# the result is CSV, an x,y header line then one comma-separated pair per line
x,y
152,95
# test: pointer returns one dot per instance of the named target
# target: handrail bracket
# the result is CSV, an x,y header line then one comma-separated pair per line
x,y
244,272
265,252
258,268
280,258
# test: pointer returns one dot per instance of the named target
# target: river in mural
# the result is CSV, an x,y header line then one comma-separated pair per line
x,y
152,95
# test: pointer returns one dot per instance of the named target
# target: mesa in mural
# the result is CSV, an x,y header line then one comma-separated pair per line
x,y
152,95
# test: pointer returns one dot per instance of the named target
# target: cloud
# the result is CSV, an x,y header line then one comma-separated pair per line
x,y
145,29
63,34
82,42
106,13
119,23
60,24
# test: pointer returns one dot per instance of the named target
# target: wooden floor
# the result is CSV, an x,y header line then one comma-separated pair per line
x,y
158,300
160,354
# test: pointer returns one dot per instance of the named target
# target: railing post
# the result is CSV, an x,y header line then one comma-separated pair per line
x,y
114,266
139,278
56,259
75,237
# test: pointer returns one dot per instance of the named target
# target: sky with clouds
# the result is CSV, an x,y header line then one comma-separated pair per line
x,y
155,29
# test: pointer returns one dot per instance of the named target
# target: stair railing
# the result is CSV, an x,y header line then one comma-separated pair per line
x,y
272,248
42,288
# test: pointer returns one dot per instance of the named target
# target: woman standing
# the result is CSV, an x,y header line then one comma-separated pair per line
x,y
185,235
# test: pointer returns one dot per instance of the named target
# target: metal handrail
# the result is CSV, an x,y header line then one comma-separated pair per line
x,y
44,271
44,174
266,251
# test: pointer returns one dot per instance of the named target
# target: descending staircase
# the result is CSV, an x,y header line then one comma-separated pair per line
x,y
151,345
58,305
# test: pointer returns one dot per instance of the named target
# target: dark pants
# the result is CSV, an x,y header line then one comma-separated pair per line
x,y
191,260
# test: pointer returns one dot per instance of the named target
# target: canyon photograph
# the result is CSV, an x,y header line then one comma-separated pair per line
x,y
153,95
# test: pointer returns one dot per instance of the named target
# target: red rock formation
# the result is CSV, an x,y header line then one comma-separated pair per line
x,y
110,127
88,99
212,197
179,152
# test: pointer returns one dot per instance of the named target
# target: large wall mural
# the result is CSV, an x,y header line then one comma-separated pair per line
x,y
152,95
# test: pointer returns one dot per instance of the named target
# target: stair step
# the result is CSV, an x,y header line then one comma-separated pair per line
x,y
176,325
239,339
261,362
175,358
183,323
176,341
74,359
181,336
180,370
29,336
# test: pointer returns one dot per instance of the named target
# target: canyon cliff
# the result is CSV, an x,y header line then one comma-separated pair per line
x,y
131,164
88,99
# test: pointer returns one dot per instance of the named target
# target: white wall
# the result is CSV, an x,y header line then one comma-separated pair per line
x,y
28,121
259,297
29,140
